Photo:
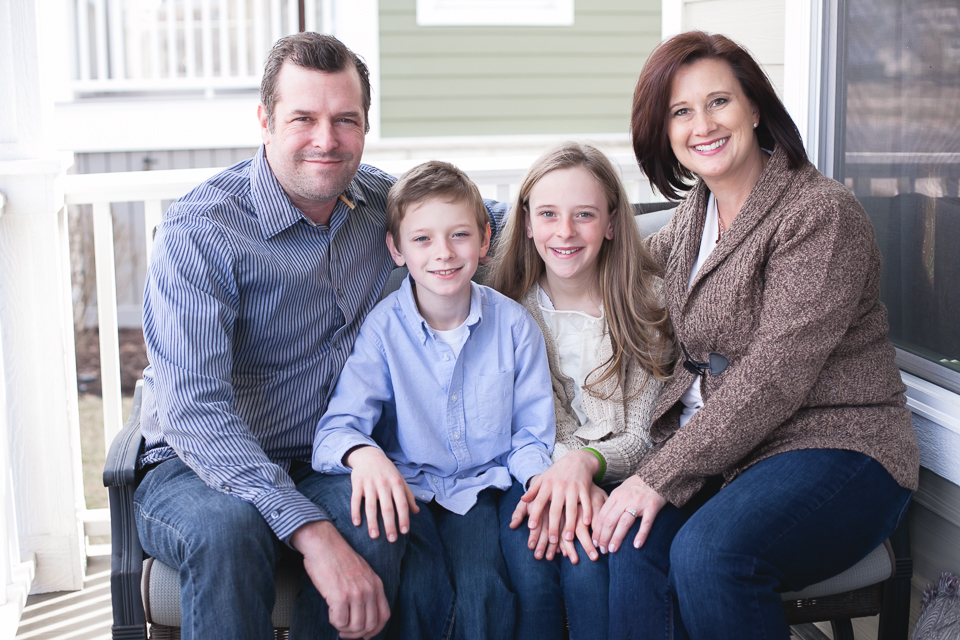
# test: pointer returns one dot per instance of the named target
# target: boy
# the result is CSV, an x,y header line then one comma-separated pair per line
x,y
445,396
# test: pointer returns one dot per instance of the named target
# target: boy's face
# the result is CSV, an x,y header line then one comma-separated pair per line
x,y
441,245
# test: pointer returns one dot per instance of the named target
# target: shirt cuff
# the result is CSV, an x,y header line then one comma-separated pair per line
x,y
329,458
286,510
528,462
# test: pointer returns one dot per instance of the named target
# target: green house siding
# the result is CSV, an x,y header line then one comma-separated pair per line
x,y
451,81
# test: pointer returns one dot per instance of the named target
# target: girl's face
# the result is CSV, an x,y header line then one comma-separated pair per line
x,y
568,222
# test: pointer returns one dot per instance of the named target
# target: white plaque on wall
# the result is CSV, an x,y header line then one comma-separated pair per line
x,y
495,13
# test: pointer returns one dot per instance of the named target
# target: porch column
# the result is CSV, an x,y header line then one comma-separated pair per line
x,y
38,399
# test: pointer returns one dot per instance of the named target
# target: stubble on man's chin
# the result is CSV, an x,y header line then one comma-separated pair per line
x,y
329,187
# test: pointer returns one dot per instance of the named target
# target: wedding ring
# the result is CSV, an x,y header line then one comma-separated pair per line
x,y
632,512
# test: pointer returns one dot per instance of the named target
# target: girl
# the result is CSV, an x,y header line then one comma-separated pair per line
x,y
572,255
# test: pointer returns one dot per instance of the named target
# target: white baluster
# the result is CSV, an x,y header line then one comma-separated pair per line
x,y
153,21
293,16
276,21
243,52
100,29
189,39
206,41
83,39
327,9
118,66
223,24
173,65
259,33
310,15
107,317
152,215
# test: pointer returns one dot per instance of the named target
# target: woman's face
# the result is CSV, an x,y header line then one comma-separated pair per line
x,y
710,122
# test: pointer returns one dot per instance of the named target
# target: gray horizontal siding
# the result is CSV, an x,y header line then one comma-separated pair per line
x,y
514,80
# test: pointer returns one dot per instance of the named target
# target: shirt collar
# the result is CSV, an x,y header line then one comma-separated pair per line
x,y
272,205
408,304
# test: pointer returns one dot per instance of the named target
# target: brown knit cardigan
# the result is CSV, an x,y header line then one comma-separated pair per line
x,y
790,296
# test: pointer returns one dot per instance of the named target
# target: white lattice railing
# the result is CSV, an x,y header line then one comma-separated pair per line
x,y
176,45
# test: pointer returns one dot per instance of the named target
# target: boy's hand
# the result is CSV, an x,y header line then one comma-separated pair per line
x,y
375,479
566,484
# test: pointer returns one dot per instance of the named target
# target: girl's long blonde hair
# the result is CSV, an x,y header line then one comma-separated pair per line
x,y
636,318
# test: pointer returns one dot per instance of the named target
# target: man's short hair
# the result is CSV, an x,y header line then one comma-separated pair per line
x,y
315,51
433,180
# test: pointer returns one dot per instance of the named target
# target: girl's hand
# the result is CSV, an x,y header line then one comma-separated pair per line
x,y
539,541
569,549
375,479
563,486
632,500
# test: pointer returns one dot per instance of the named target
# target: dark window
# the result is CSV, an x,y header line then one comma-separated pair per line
x,y
899,128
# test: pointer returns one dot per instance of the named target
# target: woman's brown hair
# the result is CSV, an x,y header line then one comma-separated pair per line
x,y
651,105
636,318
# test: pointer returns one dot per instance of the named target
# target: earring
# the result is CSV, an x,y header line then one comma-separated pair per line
x,y
755,124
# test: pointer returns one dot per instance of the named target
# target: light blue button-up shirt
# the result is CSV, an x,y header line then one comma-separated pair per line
x,y
454,424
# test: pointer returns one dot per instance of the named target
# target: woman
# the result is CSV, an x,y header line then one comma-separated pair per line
x,y
786,392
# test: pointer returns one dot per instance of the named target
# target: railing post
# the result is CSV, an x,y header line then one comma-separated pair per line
x,y
38,356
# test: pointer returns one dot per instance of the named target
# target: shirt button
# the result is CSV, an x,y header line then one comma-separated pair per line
x,y
275,515
454,398
456,436
226,489
445,358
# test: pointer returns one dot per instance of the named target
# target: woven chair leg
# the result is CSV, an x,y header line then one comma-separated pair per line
x,y
842,629
281,634
161,632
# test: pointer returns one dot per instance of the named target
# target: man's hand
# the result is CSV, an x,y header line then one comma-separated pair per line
x,y
376,479
354,593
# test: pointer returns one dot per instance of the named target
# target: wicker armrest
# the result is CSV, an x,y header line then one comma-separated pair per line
x,y
126,561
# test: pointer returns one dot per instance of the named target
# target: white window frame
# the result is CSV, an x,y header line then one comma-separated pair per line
x,y
495,13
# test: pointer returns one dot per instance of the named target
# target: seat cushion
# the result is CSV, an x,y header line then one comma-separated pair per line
x,y
161,594
879,565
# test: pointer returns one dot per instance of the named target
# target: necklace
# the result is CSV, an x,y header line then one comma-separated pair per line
x,y
720,229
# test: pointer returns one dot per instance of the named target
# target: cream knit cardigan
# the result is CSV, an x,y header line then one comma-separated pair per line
x,y
619,414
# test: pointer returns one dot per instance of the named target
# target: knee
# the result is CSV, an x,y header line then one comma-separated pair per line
x,y
695,561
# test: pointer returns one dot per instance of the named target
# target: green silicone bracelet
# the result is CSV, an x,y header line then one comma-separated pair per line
x,y
603,465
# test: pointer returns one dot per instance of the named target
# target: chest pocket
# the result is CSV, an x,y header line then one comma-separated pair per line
x,y
495,402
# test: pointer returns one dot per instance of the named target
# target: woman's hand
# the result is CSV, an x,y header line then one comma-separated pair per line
x,y
632,500
374,479
566,484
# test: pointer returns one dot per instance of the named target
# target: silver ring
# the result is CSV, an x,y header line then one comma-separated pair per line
x,y
632,512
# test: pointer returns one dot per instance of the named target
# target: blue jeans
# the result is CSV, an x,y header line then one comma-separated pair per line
x,y
454,581
714,568
226,553
546,589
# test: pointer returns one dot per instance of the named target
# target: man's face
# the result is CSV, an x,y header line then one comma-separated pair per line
x,y
317,139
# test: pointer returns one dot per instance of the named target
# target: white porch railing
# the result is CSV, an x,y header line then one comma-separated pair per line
x,y
178,45
496,177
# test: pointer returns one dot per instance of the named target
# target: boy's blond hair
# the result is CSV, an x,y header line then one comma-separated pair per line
x,y
433,180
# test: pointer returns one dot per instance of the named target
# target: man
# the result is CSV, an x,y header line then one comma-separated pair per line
x,y
258,284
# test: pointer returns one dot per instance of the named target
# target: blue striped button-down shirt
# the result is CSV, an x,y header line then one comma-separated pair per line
x,y
249,313
453,423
